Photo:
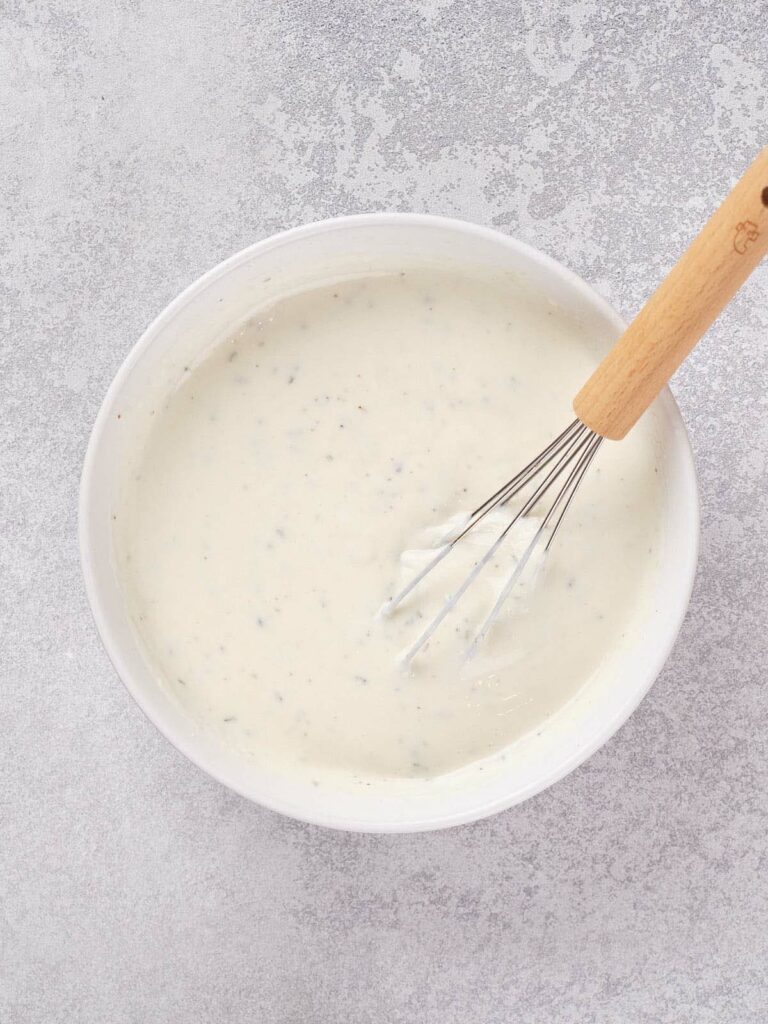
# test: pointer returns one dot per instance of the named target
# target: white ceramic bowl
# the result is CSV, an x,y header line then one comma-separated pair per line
x,y
312,255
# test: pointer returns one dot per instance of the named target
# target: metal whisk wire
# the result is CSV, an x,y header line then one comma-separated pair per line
x,y
564,497
571,452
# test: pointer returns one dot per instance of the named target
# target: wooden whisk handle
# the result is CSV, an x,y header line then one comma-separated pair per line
x,y
688,300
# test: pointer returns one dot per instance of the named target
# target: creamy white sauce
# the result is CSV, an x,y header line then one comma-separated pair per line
x,y
284,479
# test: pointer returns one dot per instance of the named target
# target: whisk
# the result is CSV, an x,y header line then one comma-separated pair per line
x,y
661,336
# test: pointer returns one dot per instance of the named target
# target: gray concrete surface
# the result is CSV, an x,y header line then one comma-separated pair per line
x,y
144,140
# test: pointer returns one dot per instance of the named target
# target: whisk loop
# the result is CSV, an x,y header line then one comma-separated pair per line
x,y
569,457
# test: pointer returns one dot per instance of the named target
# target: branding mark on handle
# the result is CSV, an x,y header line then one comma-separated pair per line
x,y
745,233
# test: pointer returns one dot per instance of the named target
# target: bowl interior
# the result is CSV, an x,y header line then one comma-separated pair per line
x,y
204,314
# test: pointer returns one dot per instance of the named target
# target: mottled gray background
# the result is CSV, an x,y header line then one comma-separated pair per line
x,y
142,142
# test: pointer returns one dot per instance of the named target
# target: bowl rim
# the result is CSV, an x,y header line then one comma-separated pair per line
x,y
104,619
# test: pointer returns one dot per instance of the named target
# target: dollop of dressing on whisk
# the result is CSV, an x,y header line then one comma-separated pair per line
x,y
265,520
466,551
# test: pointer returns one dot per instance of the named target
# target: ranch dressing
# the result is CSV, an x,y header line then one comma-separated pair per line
x,y
292,482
